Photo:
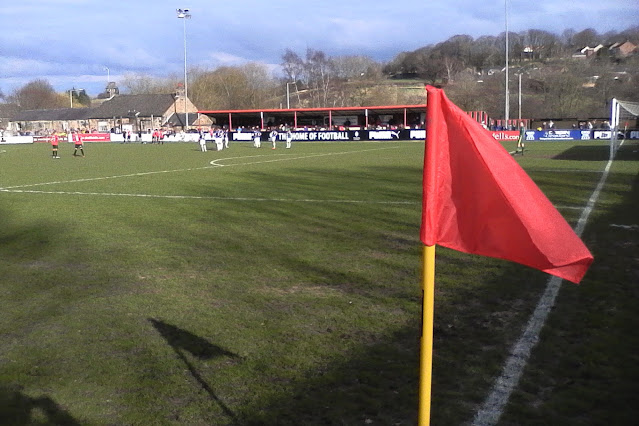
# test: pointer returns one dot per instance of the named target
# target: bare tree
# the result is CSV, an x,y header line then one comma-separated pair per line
x,y
223,88
292,65
318,70
38,94
353,66
587,37
139,84
563,95
244,87
261,85
544,44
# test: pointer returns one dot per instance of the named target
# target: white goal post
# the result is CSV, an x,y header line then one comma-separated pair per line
x,y
623,117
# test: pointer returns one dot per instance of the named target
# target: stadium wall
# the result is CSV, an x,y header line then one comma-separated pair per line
x,y
341,135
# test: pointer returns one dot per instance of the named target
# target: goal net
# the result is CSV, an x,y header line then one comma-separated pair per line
x,y
623,122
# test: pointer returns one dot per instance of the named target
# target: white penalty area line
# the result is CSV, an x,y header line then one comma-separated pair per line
x,y
493,406
287,157
7,188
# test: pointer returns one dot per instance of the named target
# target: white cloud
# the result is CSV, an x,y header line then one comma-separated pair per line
x,y
75,39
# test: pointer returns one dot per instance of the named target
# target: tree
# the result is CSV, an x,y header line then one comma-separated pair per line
x,y
318,71
457,49
223,88
261,86
292,65
244,87
80,98
353,67
484,53
543,44
396,65
38,94
563,95
587,37
140,84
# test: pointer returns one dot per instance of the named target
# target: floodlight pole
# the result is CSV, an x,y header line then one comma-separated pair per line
x,y
520,97
507,103
185,14
71,95
108,75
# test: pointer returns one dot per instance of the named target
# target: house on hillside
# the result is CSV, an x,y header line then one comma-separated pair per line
x,y
138,113
587,52
615,51
622,50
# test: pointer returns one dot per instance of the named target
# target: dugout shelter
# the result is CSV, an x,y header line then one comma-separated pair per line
x,y
349,118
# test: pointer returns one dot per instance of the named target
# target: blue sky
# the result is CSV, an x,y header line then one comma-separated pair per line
x,y
72,42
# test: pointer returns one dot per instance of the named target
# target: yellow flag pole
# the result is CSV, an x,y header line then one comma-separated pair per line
x,y
426,350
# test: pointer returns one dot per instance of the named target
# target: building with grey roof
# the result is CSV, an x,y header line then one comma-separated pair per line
x,y
132,112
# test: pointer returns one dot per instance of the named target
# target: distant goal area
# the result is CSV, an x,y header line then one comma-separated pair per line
x,y
624,119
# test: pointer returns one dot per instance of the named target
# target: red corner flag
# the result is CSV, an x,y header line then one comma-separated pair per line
x,y
478,200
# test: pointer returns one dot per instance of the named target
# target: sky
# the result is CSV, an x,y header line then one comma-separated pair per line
x,y
83,44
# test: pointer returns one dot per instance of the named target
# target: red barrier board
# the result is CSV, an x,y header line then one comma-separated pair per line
x,y
92,137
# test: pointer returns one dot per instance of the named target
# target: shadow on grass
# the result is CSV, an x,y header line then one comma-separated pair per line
x,y
181,340
594,153
480,308
585,369
26,242
18,409
28,245
377,384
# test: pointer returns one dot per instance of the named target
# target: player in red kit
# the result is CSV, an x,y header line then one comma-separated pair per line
x,y
54,145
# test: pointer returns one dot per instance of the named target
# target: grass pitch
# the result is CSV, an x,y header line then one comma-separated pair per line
x,y
144,284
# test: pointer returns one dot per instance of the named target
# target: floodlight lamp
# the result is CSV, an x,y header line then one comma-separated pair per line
x,y
183,13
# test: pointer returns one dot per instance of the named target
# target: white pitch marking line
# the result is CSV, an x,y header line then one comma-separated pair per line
x,y
215,162
568,208
493,406
199,168
628,227
104,178
287,158
563,171
198,197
